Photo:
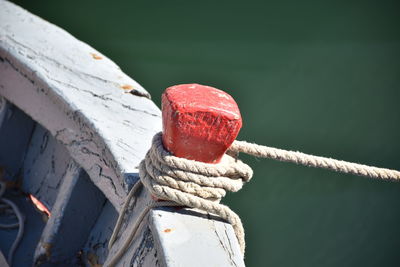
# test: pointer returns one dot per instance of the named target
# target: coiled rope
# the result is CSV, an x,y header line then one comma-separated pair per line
x,y
20,224
201,185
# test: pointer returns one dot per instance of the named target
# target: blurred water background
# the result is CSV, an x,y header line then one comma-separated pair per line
x,y
322,77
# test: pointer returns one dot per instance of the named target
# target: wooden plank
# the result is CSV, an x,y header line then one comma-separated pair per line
x,y
45,165
76,209
139,252
182,232
3,109
196,238
95,250
15,133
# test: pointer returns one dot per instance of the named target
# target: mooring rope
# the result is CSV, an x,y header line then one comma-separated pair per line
x,y
201,185
314,161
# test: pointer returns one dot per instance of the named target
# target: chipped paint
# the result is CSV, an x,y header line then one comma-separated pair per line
x,y
39,205
127,87
96,56
93,260
47,247
191,236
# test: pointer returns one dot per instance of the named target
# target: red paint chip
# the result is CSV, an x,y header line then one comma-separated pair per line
x,y
39,205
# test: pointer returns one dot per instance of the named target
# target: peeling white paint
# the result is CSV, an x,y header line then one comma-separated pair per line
x,y
80,97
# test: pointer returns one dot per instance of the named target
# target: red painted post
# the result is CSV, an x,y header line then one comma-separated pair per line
x,y
199,122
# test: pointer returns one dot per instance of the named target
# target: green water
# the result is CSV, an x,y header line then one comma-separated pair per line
x,y
322,78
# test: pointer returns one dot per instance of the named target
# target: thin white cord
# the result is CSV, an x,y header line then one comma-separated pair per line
x,y
19,224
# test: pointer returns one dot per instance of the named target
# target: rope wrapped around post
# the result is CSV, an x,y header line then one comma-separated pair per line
x,y
195,184
201,185
189,183
191,164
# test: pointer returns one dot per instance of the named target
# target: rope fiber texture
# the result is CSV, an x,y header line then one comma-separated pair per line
x,y
195,184
313,161
199,185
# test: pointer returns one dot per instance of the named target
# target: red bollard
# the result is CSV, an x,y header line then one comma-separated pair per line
x,y
199,122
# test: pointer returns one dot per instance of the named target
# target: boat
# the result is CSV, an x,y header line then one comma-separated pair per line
x,y
73,130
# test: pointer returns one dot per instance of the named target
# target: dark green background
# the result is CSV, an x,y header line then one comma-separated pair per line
x,y
319,77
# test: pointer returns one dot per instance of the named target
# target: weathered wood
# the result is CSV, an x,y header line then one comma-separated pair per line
x,y
79,98
192,238
45,165
74,212
105,120
196,239
95,250
3,109
15,132
143,235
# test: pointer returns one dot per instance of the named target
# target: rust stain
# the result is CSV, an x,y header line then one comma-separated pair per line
x,y
168,230
93,260
47,247
96,56
44,257
9,183
127,87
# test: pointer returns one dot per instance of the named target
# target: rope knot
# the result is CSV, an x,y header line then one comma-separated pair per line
x,y
202,185
194,184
